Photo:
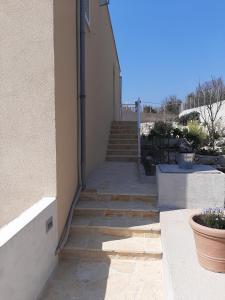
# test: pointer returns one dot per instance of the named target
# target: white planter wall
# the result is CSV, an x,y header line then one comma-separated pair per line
x,y
201,110
27,252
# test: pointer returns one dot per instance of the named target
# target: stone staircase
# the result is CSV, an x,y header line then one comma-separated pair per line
x,y
123,142
114,226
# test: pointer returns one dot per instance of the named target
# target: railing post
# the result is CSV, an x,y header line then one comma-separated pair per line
x,y
139,128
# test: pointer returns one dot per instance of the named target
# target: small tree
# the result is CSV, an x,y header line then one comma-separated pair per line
x,y
171,105
149,109
211,96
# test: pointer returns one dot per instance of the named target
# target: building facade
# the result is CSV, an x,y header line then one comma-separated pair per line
x,y
59,91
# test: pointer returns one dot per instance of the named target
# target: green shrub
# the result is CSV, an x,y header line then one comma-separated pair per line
x,y
162,128
196,135
192,116
178,132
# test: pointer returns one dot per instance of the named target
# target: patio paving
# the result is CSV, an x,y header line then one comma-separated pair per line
x,y
105,280
121,178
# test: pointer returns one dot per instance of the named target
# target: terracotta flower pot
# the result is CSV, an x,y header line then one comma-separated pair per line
x,y
210,245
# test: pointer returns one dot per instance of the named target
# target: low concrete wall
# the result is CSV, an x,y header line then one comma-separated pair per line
x,y
27,252
201,187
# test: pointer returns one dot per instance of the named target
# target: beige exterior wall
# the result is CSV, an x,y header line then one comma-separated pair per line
x,y
66,97
27,105
39,96
102,95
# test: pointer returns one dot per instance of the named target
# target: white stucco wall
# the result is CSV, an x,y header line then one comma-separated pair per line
x,y
27,252
202,110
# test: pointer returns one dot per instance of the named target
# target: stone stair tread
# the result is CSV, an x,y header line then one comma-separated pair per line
x,y
107,196
126,151
115,212
124,122
121,155
106,242
123,142
123,131
120,152
118,204
120,222
123,136
121,147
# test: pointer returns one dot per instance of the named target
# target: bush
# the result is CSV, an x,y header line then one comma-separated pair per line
x,y
162,128
177,132
196,135
192,116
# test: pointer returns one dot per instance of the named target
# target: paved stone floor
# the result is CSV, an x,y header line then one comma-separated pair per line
x,y
105,280
121,178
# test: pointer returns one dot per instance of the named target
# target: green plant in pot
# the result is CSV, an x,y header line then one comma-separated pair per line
x,y
196,135
209,233
186,155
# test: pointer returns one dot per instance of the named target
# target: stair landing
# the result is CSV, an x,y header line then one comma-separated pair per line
x,y
105,280
121,178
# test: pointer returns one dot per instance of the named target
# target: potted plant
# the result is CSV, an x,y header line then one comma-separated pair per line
x,y
209,233
186,154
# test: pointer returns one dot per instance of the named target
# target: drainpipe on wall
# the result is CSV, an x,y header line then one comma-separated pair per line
x,y
80,124
82,93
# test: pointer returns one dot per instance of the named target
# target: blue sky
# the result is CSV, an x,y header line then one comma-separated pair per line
x,y
167,47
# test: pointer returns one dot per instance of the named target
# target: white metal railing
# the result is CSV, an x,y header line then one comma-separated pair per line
x,y
133,112
128,112
139,110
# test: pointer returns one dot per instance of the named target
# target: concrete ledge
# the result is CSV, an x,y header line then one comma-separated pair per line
x,y
27,251
184,278
8,231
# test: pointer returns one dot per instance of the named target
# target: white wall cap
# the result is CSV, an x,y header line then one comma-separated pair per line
x,y
8,231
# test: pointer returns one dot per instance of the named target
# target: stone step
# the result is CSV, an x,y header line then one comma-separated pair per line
x,y
123,142
124,123
101,245
102,210
115,212
125,158
117,225
116,204
124,127
123,137
123,131
125,152
122,147
94,195
115,231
